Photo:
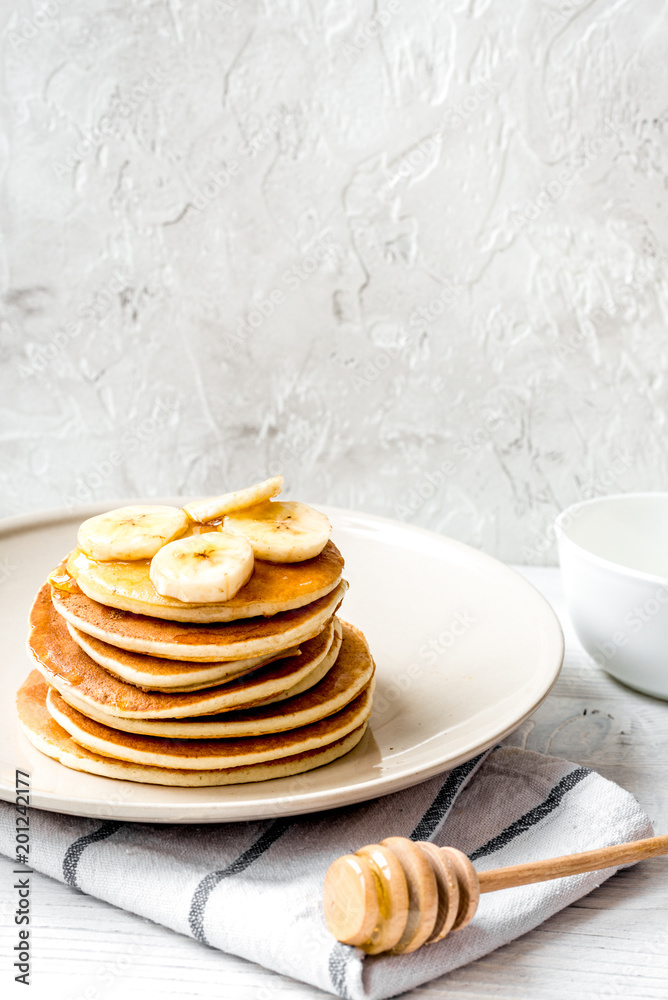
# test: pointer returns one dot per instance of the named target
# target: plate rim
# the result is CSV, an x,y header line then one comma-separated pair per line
x,y
300,803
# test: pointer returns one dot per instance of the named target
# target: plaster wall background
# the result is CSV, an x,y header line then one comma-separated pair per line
x,y
412,253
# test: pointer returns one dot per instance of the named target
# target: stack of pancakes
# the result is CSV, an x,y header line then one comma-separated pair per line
x,y
133,685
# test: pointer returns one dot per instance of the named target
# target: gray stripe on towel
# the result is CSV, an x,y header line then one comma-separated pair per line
x,y
240,864
435,815
534,815
76,849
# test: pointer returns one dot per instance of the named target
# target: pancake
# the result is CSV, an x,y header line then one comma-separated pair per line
x,y
51,739
273,587
69,669
351,672
155,673
207,754
232,694
199,643
309,678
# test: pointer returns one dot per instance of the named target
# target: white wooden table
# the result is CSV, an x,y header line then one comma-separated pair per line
x,y
612,943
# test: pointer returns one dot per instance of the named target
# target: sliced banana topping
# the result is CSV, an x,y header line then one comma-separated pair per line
x,y
204,568
129,533
215,507
281,532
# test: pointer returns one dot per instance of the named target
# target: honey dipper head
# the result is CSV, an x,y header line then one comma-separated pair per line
x,y
398,895
366,899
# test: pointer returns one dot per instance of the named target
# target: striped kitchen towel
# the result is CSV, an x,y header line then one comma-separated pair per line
x,y
255,889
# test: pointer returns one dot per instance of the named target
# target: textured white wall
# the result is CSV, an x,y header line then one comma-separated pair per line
x,y
413,253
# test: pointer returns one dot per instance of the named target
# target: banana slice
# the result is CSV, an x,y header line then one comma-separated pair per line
x,y
281,532
215,507
201,569
129,533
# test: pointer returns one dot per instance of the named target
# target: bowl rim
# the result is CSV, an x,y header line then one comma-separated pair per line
x,y
609,564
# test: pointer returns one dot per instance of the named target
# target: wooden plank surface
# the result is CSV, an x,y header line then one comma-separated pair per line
x,y
612,943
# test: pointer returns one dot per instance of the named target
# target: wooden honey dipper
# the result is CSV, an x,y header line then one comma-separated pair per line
x,y
400,894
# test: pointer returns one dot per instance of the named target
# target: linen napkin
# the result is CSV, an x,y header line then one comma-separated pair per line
x,y
255,889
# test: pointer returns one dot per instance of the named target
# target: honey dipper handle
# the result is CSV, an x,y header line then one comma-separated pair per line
x,y
572,864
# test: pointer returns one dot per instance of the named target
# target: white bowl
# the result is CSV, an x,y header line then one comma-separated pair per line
x,y
614,563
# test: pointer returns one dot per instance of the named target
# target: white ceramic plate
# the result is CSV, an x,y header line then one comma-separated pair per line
x,y
465,650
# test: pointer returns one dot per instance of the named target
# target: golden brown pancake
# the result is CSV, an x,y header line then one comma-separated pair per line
x,y
199,643
312,677
352,671
207,754
155,673
229,695
51,739
69,669
273,587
